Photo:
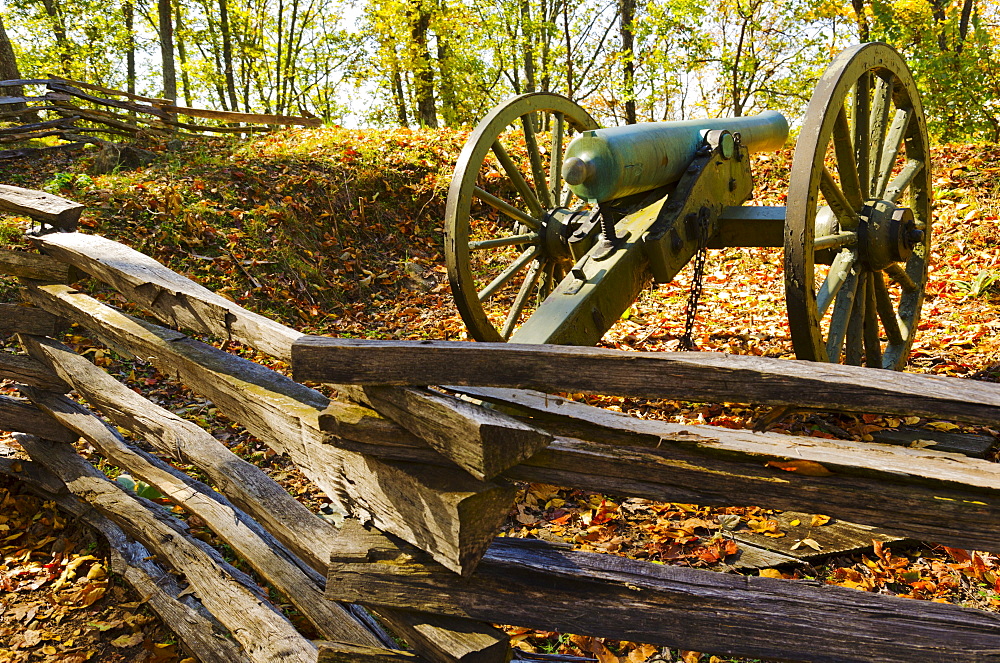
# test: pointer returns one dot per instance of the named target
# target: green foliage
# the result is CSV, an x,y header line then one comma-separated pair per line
x,y
68,181
445,62
140,488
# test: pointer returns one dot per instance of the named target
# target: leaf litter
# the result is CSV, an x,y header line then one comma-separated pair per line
x,y
338,232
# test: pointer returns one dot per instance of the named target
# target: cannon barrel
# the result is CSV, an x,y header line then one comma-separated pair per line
x,y
605,164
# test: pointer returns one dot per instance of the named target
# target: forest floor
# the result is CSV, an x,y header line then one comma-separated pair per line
x,y
340,232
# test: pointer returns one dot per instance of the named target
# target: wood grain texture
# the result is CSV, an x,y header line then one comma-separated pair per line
x,y
40,206
18,319
32,266
691,376
25,370
483,442
268,558
446,512
339,652
549,587
193,625
438,638
252,118
20,416
929,495
171,297
967,444
230,595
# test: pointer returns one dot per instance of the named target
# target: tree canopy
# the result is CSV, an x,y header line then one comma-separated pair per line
x,y
443,62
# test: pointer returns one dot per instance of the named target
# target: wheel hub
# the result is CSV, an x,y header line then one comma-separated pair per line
x,y
887,234
558,226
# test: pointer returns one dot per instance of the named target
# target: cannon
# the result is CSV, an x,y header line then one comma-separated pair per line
x,y
558,256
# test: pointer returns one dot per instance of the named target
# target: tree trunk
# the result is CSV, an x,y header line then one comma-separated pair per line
x,y
227,52
423,74
128,14
449,104
527,46
182,56
59,30
569,50
398,96
167,49
9,71
627,15
963,24
864,32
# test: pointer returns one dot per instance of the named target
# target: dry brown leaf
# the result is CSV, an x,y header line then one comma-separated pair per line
x,y
812,543
642,653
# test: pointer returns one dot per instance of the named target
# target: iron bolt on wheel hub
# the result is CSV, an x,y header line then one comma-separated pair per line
x,y
886,234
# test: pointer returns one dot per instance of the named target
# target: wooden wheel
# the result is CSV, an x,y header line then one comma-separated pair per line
x,y
505,237
858,216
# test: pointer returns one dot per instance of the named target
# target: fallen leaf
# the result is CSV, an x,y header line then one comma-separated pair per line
x,y
819,520
812,543
770,573
129,640
808,468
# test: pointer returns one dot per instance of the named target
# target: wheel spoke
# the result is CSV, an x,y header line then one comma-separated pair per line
x,y
531,144
902,182
506,208
835,241
837,201
886,311
899,275
514,175
841,315
862,115
509,273
873,349
513,240
891,149
847,166
530,279
881,108
555,157
854,350
839,271
548,281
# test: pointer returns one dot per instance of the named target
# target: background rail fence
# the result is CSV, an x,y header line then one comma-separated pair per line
x,y
79,112
426,474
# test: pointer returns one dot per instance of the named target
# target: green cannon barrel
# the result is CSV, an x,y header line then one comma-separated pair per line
x,y
605,164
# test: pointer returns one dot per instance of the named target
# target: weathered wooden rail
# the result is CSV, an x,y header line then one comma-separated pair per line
x,y
82,110
426,474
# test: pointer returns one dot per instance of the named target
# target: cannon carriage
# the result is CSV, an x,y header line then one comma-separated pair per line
x,y
558,257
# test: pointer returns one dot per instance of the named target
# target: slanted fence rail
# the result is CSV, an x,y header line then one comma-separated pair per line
x,y
82,112
430,471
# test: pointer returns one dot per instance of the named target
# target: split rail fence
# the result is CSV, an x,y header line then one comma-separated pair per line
x,y
83,110
427,472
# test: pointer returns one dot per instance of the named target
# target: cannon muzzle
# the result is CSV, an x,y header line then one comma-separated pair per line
x,y
605,164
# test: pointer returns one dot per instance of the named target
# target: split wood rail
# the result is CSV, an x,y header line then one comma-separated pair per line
x,y
426,474
79,110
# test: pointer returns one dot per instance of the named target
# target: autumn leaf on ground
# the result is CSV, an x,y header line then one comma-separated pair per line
x,y
819,520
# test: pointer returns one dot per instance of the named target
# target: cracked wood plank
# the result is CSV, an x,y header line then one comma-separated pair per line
x,y
553,588
690,376
446,512
440,639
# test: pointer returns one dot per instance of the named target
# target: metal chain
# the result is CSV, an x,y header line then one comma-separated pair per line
x,y
697,281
